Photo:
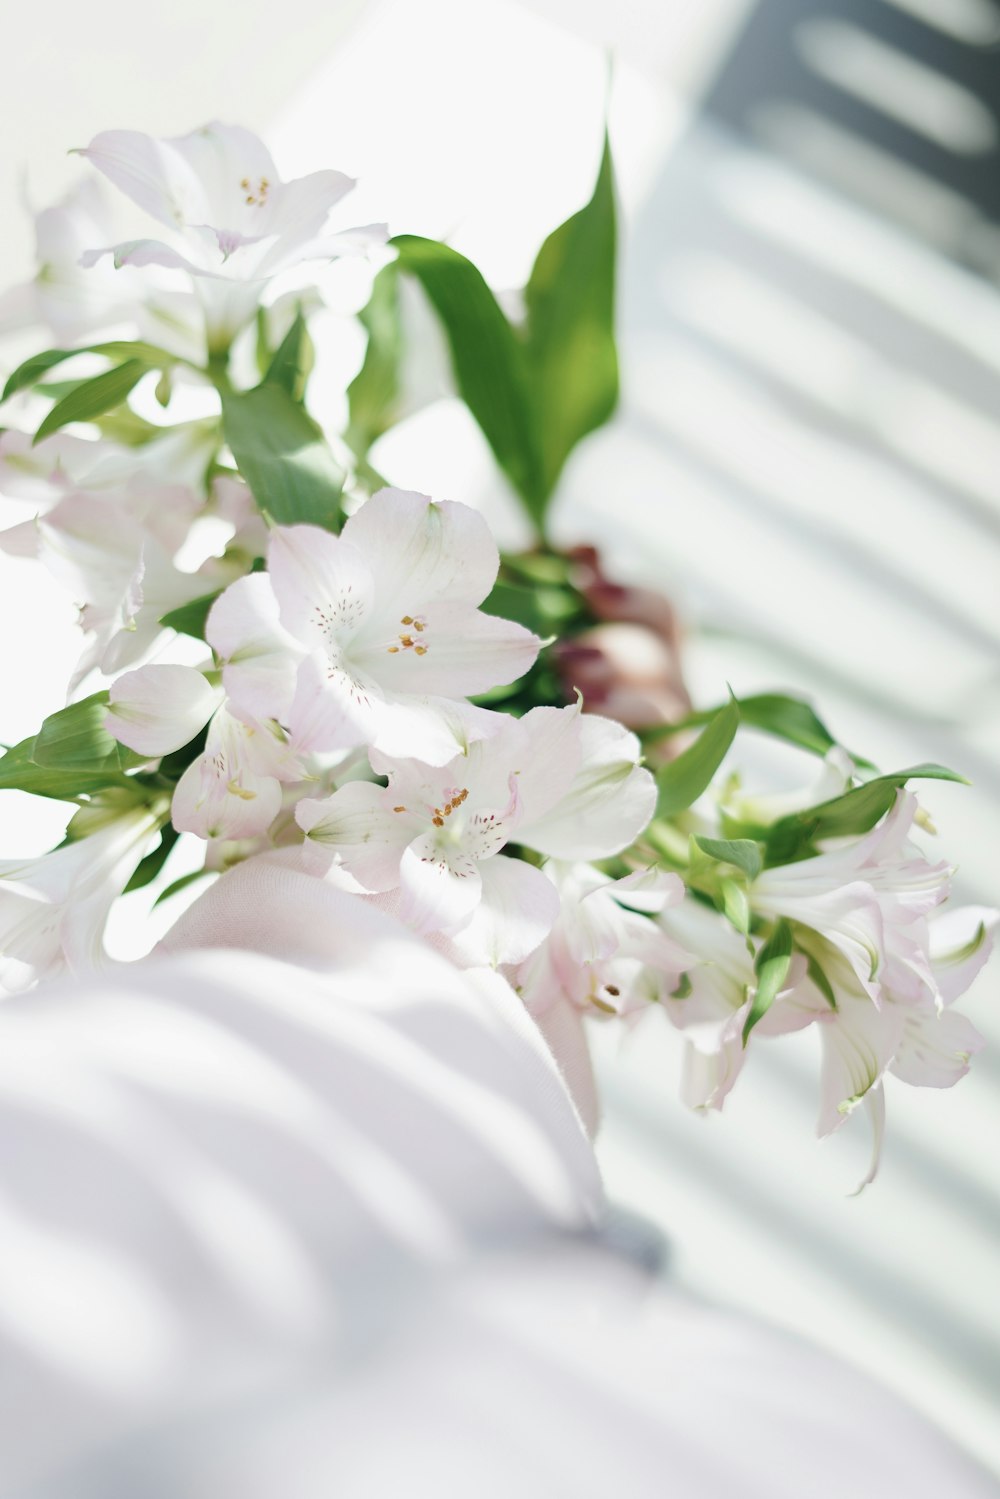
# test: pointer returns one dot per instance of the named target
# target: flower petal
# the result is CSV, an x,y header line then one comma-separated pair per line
x,y
518,909
151,173
158,709
356,827
437,894
448,650
609,799
323,586
859,1041
259,657
934,1050
223,794
330,708
421,552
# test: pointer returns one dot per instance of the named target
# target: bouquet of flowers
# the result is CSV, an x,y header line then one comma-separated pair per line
x,y
354,672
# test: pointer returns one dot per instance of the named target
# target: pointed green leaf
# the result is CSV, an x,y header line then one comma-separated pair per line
x,y
570,334
373,394
772,965
684,779
283,455
487,358
853,813
292,364
774,713
38,365
743,852
181,884
92,398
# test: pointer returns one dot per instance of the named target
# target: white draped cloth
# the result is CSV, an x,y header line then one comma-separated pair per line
x,y
294,1209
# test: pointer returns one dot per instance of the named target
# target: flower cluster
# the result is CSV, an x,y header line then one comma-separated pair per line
x,y
365,680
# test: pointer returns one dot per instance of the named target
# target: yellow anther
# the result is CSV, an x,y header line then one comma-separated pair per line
x,y
438,822
393,650
418,624
407,619
399,809
421,650
406,641
244,182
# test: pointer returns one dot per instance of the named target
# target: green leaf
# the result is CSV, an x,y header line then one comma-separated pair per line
x,y
852,813
292,364
774,713
38,365
93,397
75,739
487,358
684,779
190,619
149,867
284,457
772,964
743,852
373,394
570,334
18,772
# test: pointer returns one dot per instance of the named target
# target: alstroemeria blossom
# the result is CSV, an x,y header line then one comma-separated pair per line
x,y
233,223
867,898
53,910
233,789
373,637
436,835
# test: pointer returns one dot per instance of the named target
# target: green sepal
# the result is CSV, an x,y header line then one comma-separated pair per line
x,y
18,772
75,740
735,904
771,967
284,457
684,779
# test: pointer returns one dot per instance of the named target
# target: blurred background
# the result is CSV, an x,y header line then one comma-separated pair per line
x,y
807,460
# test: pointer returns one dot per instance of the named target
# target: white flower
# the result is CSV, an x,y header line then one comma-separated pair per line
x,y
436,835
370,638
867,898
233,223
75,303
712,1006
233,789
53,910
603,955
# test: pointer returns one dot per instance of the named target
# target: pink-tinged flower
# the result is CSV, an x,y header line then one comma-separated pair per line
x,y
868,899
712,1004
233,789
604,958
549,781
373,637
53,910
233,223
